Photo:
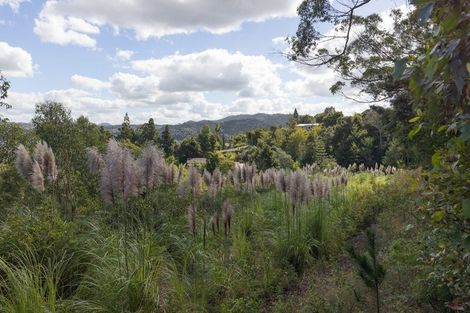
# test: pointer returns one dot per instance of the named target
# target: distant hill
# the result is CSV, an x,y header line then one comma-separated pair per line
x,y
231,125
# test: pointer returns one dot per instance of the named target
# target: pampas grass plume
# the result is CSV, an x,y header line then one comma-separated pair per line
x,y
37,179
24,164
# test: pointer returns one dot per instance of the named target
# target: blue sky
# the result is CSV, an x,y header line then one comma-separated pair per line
x,y
170,60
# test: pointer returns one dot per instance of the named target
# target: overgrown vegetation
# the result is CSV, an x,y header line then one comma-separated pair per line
x,y
361,213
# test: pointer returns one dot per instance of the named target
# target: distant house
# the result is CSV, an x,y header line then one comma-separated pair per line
x,y
307,127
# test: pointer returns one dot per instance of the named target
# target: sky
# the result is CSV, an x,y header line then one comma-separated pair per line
x,y
170,60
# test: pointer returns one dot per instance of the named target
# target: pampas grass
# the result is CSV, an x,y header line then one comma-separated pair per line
x,y
121,173
106,186
151,164
95,161
207,178
227,217
50,165
45,158
298,188
192,219
29,286
39,154
236,177
106,288
35,171
281,181
24,163
169,173
217,178
194,180
37,179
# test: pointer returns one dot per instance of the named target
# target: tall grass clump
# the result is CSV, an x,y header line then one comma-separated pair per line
x,y
147,287
30,285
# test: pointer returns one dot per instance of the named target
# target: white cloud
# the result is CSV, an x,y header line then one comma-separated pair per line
x,y
214,70
88,83
51,26
124,55
156,19
80,102
279,40
133,87
175,89
15,62
14,4
169,108
311,81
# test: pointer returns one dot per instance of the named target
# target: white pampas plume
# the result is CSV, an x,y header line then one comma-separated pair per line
x,y
182,189
24,164
298,189
236,177
212,191
106,186
212,222
40,153
192,219
217,178
207,177
50,165
131,176
281,181
227,217
37,179
121,171
95,161
168,174
306,191
180,174
150,163
194,180
249,173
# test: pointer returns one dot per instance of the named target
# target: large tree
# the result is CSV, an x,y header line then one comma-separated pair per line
x,y
188,149
167,141
361,49
439,80
148,133
207,140
125,131
4,86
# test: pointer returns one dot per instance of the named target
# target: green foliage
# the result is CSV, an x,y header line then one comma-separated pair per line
x,y
125,131
207,140
43,230
296,143
4,86
167,141
11,136
147,133
371,271
11,187
189,148
438,80
282,159
212,161
107,288
29,287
